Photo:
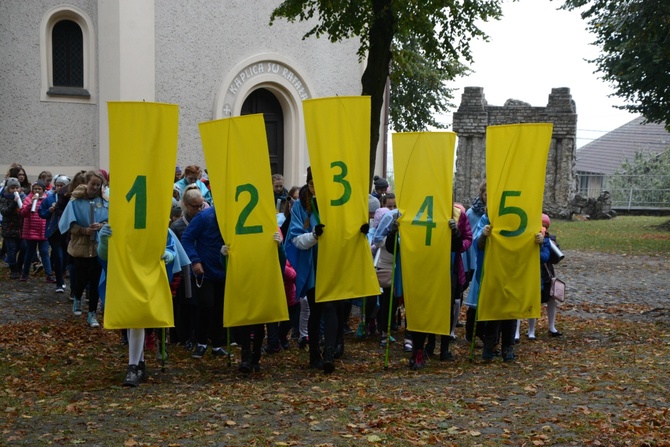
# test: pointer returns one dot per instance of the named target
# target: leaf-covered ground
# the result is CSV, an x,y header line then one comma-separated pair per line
x,y
606,382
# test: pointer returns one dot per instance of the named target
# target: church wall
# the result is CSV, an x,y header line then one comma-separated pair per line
x,y
199,46
198,49
61,136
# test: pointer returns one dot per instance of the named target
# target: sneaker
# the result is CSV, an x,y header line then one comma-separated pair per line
x,y
219,352
133,377
76,306
272,349
446,356
489,350
407,347
60,289
189,345
508,354
93,320
555,334
199,351
328,360
417,361
142,370
23,277
14,275
50,279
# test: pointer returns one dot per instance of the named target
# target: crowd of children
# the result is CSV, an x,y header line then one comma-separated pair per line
x,y
57,222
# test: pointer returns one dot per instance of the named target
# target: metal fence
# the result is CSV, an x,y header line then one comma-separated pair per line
x,y
629,191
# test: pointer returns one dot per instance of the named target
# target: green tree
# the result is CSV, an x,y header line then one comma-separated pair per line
x,y
634,36
426,41
643,181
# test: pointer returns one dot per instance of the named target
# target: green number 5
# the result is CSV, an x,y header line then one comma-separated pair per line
x,y
523,217
339,178
244,215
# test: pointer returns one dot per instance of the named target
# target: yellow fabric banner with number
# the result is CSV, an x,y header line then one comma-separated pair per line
x,y
516,163
142,157
238,163
423,164
338,141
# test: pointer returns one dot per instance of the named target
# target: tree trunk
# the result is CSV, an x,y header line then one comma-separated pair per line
x,y
377,70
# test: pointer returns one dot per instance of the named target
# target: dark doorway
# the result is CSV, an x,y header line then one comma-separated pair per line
x,y
263,101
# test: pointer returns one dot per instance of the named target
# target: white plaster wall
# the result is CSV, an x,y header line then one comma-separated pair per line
x,y
199,42
55,135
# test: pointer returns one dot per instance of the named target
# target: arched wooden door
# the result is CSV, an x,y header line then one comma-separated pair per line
x,y
263,101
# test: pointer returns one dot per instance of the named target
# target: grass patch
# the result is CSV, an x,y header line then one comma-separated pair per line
x,y
631,235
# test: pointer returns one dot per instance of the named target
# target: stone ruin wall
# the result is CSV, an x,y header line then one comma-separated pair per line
x,y
470,122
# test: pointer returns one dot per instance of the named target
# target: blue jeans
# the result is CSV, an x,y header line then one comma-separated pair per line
x,y
43,247
16,252
57,258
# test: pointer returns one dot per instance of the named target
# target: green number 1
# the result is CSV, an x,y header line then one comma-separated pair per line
x,y
244,215
139,191
427,208
523,217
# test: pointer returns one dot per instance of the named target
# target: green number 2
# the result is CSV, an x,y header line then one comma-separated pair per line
x,y
427,208
139,191
339,178
523,217
244,215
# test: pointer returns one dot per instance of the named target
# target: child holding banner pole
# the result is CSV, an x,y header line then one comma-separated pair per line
x,y
175,258
461,239
504,328
251,349
301,250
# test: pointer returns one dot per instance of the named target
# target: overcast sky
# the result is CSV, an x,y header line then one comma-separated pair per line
x,y
536,47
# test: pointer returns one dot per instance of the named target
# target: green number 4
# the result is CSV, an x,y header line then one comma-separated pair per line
x,y
523,217
427,208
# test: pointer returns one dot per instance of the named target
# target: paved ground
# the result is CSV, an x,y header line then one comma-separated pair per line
x,y
594,281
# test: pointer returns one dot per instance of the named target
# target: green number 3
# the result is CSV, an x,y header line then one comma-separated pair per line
x,y
244,215
339,178
139,191
427,208
523,217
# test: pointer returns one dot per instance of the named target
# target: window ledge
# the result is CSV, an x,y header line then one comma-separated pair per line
x,y
68,91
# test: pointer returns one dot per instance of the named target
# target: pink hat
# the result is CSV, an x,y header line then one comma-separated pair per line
x,y
546,221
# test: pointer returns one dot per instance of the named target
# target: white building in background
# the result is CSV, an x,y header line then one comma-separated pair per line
x,y
62,62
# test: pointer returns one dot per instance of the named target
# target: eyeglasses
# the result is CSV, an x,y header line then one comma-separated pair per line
x,y
198,206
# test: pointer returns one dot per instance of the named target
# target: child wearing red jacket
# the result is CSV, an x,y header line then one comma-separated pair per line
x,y
34,231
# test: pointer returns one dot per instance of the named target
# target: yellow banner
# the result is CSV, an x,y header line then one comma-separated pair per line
x,y
142,157
338,141
238,164
516,163
423,166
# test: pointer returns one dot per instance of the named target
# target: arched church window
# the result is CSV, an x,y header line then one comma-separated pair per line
x,y
67,54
